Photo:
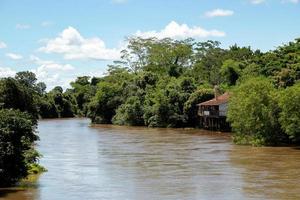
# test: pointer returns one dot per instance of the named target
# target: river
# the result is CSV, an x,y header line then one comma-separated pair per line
x,y
111,162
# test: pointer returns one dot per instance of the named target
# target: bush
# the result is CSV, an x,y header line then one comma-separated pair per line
x,y
253,112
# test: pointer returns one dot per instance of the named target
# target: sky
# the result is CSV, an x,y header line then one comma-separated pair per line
x,y
60,40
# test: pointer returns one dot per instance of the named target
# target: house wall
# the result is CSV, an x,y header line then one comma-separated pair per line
x,y
223,109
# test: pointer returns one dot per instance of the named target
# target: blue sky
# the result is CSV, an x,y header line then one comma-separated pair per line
x,y
59,40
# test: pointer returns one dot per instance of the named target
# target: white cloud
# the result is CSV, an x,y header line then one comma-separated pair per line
x,y
118,1
282,1
73,46
2,45
291,1
49,72
180,31
50,65
14,56
6,72
218,13
257,1
22,26
52,73
46,23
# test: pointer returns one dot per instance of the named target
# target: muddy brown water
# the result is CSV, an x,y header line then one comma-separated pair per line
x,y
112,162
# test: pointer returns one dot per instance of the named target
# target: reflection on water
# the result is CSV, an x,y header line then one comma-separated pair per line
x,y
110,162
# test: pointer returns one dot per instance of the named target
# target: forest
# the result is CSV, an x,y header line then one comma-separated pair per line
x,y
158,83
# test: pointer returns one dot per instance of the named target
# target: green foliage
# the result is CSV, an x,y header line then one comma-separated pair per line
x,y
83,90
191,108
47,108
159,82
41,88
63,102
35,168
17,96
57,104
130,113
253,112
155,83
290,111
283,64
17,135
164,56
164,104
26,78
230,71
251,70
106,101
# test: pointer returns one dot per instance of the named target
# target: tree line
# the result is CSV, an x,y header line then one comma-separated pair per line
x,y
158,83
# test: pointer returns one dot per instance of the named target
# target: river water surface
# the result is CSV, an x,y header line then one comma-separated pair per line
x,y
111,162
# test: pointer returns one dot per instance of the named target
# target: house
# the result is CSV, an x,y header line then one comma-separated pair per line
x,y
213,113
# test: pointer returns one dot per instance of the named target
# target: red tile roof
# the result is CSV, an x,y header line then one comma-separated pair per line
x,y
215,102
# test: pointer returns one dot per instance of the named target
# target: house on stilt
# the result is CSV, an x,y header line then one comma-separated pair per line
x,y
213,113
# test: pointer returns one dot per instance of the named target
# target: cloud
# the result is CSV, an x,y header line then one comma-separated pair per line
x,y
73,46
52,73
257,1
282,1
14,56
46,23
50,65
180,31
218,13
6,72
22,26
119,1
291,1
2,45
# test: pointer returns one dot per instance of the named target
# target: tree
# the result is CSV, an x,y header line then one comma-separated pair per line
x,y
41,88
191,108
250,71
26,78
47,108
253,112
290,116
83,91
103,106
17,96
164,104
208,61
58,89
17,135
165,56
65,103
230,71
130,113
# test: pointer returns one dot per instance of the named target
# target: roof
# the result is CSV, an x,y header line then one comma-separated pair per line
x,y
215,102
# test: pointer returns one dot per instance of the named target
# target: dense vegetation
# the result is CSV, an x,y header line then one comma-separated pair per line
x,y
158,83
18,121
